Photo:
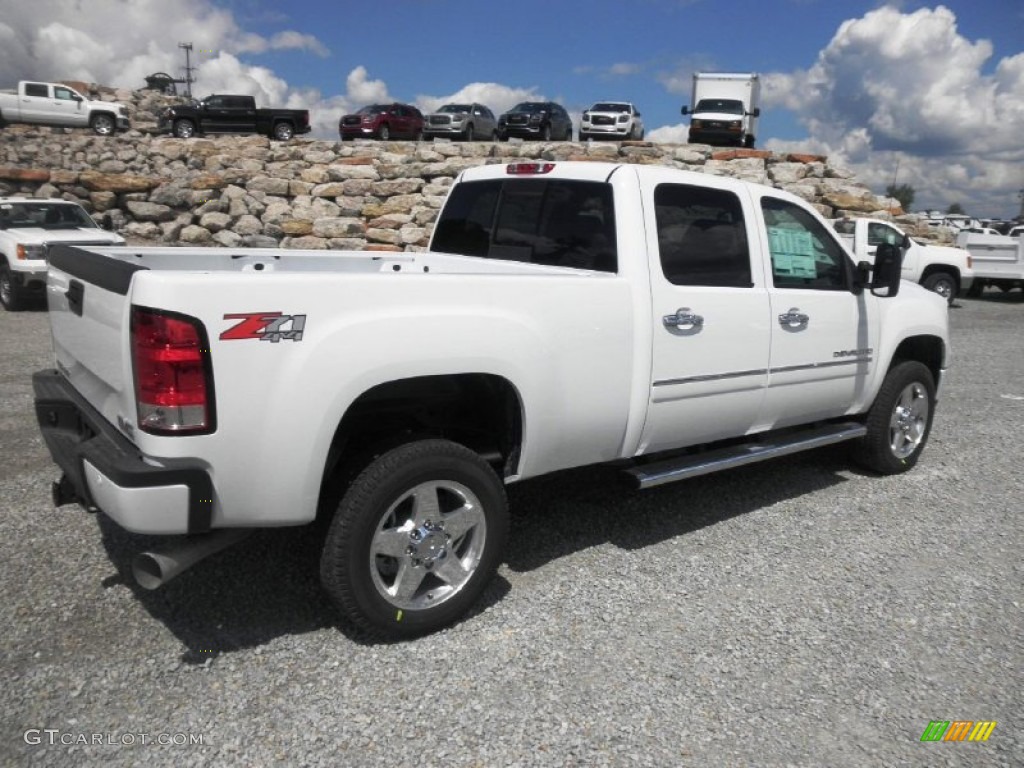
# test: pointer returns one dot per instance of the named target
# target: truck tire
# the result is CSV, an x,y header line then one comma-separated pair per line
x,y
385,132
416,538
184,129
545,134
283,131
10,292
899,421
977,289
103,124
942,283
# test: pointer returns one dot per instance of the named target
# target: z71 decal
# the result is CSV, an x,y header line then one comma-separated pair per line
x,y
265,326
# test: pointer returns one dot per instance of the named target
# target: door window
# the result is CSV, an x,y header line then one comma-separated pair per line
x,y
36,89
702,237
63,93
804,253
879,234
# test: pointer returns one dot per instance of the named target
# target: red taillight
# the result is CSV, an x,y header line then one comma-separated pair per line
x,y
526,169
173,381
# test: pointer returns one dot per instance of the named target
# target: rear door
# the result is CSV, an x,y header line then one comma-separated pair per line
x,y
34,103
711,334
824,336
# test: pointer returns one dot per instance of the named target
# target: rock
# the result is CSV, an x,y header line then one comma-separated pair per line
x,y
123,182
24,174
801,158
102,201
215,221
113,166
269,185
173,194
145,229
209,181
248,225
347,243
63,177
194,234
383,235
338,227
170,230
259,241
331,189
47,190
227,238
340,172
308,243
851,202
296,226
143,211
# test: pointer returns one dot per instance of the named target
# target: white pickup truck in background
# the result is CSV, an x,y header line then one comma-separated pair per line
x,y
947,271
566,314
28,228
998,260
58,104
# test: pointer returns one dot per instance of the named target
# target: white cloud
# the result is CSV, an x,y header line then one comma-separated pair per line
x,y
669,134
500,98
909,86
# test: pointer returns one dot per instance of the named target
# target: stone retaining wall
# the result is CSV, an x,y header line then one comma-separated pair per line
x,y
249,191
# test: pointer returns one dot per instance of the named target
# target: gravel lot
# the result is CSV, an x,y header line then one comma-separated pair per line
x,y
793,613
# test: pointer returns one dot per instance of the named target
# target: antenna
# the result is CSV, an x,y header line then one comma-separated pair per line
x,y
1021,196
895,174
189,69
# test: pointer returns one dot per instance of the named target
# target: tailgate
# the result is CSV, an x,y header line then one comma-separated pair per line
x,y
87,293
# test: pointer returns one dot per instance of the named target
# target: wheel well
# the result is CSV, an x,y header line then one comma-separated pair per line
x,y
94,115
924,349
480,411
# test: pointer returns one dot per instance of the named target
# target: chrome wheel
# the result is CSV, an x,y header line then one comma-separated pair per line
x,y
184,129
909,422
428,545
103,125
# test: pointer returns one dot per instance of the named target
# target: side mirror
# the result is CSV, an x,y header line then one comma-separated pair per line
x,y
885,277
685,110
906,242
756,112
107,223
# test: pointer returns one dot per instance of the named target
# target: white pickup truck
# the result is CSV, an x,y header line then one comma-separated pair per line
x,y
566,314
947,271
998,260
28,228
57,104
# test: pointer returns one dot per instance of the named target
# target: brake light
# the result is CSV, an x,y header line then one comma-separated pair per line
x,y
526,169
173,372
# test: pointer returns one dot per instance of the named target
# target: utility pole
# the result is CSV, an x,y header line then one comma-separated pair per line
x,y
1021,196
189,69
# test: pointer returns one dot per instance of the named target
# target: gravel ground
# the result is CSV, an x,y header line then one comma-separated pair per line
x,y
793,613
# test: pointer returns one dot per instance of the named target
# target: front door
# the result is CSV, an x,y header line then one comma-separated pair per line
x,y
824,336
711,336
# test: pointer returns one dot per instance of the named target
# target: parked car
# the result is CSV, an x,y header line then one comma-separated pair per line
x,y
225,113
542,120
58,104
462,121
29,227
384,122
612,120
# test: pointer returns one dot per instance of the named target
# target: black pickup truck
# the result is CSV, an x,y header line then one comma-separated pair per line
x,y
220,113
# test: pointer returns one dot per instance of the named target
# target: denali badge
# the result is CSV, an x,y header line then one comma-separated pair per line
x,y
265,326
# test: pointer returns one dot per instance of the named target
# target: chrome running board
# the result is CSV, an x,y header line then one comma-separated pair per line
x,y
684,467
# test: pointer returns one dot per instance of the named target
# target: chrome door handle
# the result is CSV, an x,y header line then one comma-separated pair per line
x,y
793,319
684,320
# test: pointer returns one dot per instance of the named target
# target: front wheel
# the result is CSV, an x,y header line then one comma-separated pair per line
x,y
415,539
283,131
385,133
184,129
943,284
103,125
899,421
545,134
10,291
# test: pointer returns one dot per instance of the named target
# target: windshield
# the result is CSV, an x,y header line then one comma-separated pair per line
x,y
530,106
376,109
456,109
44,215
609,107
728,106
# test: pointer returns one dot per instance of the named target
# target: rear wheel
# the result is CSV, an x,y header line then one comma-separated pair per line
x,y
415,539
385,132
283,131
103,125
977,288
10,291
899,421
943,284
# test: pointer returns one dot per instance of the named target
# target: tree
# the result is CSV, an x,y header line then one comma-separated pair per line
x,y
955,208
902,192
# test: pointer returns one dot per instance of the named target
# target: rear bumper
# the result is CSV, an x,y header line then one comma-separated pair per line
x,y
106,471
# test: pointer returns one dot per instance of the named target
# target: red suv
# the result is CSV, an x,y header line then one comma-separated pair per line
x,y
382,121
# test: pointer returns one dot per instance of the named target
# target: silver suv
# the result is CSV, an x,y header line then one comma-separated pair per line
x,y
612,120
462,121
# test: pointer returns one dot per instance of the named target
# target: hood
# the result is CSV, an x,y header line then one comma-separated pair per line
x,y
38,236
948,254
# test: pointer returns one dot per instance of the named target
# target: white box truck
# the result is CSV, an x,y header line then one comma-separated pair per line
x,y
725,108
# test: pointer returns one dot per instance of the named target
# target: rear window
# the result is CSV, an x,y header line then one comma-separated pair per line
x,y
558,223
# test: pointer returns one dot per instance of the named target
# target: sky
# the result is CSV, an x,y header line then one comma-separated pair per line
x,y
928,94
